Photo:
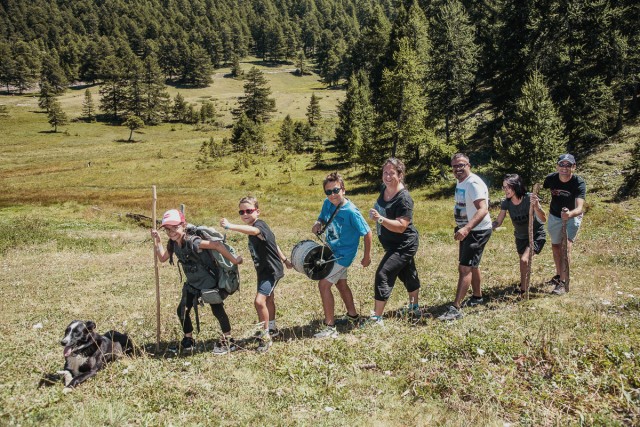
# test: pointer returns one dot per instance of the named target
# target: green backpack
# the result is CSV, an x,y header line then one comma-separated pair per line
x,y
228,275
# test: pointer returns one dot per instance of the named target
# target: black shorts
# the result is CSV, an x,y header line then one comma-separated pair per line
x,y
538,244
472,246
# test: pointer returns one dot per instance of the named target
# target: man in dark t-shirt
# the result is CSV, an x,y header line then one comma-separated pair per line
x,y
568,193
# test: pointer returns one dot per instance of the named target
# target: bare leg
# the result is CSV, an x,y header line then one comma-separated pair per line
x,y
327,301
262,310
524,263
464,281
413,297
347,297
271,306
476,279
378,307
557,258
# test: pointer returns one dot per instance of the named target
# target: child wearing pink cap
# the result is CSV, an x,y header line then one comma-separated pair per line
x,y
189,251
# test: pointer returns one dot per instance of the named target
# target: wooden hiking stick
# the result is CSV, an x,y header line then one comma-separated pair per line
x,y
155,267
527,276
565,253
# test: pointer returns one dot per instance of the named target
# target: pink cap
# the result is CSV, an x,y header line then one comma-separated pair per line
x,y
172,217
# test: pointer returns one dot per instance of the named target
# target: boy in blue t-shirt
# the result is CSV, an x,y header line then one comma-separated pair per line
x,y
343,234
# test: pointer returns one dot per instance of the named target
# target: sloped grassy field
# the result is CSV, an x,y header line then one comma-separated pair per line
x,y
68,252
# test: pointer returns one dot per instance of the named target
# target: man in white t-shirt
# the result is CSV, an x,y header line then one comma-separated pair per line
x,y
473,230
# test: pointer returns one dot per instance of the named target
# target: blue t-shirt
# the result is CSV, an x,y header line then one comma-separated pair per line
x,y
344,232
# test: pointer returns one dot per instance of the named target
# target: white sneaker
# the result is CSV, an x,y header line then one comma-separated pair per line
x,y
327,332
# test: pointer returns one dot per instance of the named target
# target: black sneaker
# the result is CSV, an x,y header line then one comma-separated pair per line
x,y
188,344
553,281
348,319
225,346
473,301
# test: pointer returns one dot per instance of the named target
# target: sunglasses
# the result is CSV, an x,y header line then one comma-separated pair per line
x,y
336,190
459,166
565,165
247,211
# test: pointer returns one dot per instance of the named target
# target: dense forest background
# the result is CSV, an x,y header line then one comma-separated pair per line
x,y
556,75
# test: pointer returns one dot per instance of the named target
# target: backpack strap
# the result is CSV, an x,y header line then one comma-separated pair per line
x,y
324,227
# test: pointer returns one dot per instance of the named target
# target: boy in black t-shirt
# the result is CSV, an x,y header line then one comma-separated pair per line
x,y
268,259
568,192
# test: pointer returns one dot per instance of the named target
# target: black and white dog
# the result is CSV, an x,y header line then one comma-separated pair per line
x,y
86,351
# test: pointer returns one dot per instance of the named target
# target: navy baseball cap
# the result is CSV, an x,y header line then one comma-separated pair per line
x,y
567,158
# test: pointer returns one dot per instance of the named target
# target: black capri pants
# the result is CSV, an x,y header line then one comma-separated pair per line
x,y
396,265
184,312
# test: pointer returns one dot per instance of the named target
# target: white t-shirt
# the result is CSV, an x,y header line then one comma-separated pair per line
x,y
468,191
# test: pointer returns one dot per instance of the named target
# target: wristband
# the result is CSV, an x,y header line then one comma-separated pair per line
x,y
226,227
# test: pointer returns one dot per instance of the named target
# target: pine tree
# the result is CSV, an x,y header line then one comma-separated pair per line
x,y
56,116
533,138
247,135
236,69
286,134
52,74
356,118
313,111
255,103
198,69
155,93
402,131
113,91
453,63
133,123
180,108
46,97
88,107
301,64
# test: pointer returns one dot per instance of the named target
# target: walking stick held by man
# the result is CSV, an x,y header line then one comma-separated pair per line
x,y
565,252
527,277
155,266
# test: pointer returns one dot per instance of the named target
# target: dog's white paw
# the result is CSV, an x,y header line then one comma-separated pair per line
x,y
66,376
67,390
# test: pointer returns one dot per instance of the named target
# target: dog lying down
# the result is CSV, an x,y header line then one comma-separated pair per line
x,y
86,351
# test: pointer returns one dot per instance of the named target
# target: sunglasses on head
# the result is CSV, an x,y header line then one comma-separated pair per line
x,y
247,211
335,190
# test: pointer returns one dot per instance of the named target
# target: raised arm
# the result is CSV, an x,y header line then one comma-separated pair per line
x,y
241,228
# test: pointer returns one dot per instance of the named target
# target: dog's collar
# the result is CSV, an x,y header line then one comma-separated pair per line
x,y
82,347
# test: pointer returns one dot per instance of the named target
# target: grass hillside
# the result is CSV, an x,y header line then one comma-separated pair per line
x,y
68,252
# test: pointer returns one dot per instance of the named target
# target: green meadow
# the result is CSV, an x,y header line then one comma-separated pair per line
x,y
69,251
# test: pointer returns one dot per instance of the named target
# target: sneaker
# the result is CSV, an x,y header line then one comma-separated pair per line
x,y
187,344
265,344
553,281
275,332
473,301
373,320
452,313
328,331
560,288
410,310
225,346
348,319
